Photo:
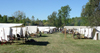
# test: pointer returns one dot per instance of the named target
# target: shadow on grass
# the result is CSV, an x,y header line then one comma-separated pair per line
x,y
38,36
43,36
84,38
33,42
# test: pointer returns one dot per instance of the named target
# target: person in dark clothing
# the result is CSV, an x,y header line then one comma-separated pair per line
x,y
40,33
18,36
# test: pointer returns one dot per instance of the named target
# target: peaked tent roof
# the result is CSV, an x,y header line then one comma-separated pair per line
x,y
10,24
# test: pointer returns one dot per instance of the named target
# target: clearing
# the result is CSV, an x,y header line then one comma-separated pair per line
x,y
53,43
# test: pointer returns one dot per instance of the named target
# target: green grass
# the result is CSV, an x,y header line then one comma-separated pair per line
x,y
54,43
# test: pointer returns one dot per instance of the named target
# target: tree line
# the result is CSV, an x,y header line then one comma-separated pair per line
x,y
89,17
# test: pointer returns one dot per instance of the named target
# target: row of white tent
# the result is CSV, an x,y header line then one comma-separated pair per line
x,y
12,29
47,29
87,31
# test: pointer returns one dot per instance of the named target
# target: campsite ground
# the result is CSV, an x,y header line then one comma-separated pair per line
x,y
53,43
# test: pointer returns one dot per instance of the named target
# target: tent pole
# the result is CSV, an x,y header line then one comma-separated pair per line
x,y
80,30
49,29
88,32
16,33
11,35
84,30
22,35
4,38
4,33
37,31
65,33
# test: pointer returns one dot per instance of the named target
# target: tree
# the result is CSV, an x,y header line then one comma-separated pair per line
x,y
59,22
28,21
32,20
45,23
4,19
40,23
91,13
19,16
37,22
1,19
64,13
52,19
24,21
11,19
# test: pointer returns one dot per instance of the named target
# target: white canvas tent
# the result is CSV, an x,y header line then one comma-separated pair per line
x,y
19,30
80,29
5,30
32,29
47,29
97,34
53,29
89,32
42,28
10,24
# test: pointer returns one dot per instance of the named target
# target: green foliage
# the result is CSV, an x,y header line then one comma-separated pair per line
x,y
75,21
32,20
59,19
45,23
91,13
11,19
5,18
59,22
52,19
37,22
18,17
28,21
1,18
89,16
64,13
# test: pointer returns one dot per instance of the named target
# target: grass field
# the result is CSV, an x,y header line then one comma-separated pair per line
x,y
53,43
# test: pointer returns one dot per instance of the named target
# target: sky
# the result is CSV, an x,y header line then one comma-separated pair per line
x,y
40,8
